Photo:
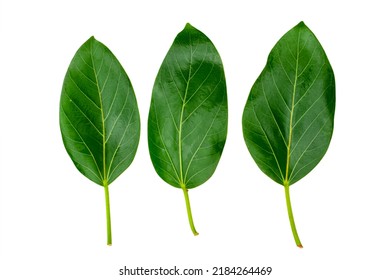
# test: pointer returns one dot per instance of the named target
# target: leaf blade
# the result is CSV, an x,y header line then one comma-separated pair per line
x,y
293,102
187,123
97,102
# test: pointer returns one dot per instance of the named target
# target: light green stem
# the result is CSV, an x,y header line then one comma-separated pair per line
x,y
108,215
189,213
291,217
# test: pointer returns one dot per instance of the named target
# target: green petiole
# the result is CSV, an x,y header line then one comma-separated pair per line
x,y
189,213
291,217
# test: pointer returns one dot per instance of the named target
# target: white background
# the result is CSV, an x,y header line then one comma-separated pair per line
x,y
52,223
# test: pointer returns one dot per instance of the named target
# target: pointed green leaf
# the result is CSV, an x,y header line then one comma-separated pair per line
x,y
187,124
99,116
288,118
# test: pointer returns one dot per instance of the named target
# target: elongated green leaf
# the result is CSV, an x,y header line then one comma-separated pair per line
x,y
187,124
99,117
288,118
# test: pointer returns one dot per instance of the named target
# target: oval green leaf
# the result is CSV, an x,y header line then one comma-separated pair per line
x,y
187,123
99,116
288,118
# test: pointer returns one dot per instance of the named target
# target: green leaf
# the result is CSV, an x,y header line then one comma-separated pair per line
x,y
99,116
288,118
187,123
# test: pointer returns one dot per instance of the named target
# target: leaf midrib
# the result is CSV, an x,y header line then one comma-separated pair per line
x,y
286,180
181,182
105,180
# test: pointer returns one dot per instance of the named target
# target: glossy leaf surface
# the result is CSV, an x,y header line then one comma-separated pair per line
x,y
288,118
188,115
187,123
99,116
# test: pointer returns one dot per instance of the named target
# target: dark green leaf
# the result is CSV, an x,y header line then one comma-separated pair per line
x,y
187,124
288,118
99,116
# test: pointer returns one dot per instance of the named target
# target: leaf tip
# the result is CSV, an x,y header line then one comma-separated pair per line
x,y
188,26
91,39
